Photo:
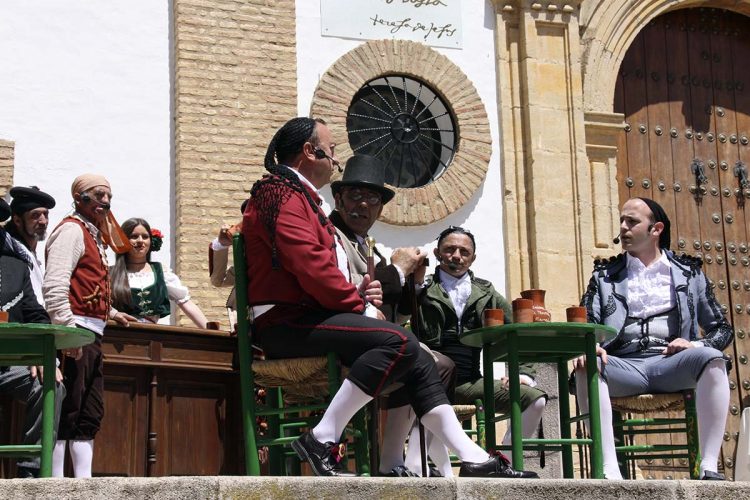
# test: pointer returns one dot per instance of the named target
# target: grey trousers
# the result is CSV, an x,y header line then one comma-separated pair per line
x,y
17,382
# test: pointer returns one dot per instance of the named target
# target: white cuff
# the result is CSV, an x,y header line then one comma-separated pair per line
x,y
371,311
216,246
697,343
401,277
527,380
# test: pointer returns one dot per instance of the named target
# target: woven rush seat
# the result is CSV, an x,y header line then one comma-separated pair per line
x,y
649,402
464,412
302,379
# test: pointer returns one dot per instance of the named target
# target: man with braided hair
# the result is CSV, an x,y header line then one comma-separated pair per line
x,y
304,305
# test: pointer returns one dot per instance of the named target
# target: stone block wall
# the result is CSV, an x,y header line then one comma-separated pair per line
x,y
235,83
7,157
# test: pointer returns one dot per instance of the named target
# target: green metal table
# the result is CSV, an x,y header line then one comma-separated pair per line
x,y
30,344
543,343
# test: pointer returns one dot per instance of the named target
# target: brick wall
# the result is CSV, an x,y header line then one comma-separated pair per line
x,y
6,166
235,84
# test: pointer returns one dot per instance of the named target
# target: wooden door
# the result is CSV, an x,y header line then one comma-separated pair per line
x,y
684,87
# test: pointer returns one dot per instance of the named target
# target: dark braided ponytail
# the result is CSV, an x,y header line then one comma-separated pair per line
x,y
275,188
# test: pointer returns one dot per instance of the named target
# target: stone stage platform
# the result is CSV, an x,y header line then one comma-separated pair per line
x,y
246,488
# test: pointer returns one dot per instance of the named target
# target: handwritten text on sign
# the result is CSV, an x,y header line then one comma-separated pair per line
x,y
432,22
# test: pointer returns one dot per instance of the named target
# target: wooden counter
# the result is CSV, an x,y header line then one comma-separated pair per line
x,y
171,402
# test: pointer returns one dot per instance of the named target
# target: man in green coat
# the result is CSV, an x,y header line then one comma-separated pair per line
x,y
452,302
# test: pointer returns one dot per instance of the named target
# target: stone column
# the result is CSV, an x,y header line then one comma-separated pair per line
x,y
547,173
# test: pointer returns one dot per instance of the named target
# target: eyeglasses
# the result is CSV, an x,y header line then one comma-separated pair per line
x,y
357,196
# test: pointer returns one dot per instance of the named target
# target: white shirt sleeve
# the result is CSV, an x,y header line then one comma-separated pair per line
x,y
217,246
175,289
65,247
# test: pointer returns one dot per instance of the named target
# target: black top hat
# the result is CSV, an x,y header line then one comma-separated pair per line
x,y
29,198
4,210
367,172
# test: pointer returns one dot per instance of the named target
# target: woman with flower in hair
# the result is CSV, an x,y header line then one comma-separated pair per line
x,y
143,288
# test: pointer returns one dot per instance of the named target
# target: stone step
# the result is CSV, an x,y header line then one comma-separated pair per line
x,y
230,487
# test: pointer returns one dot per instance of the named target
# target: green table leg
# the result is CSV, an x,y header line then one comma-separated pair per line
x,y
515,402
592,371
489,398
48,406
564,404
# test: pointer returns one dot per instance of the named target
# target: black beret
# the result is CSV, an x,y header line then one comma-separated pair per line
x,y
29,198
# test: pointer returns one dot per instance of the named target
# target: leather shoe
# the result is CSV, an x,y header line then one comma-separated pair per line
x,y
434,472
324,458
498,466
26,472
400,471
712,476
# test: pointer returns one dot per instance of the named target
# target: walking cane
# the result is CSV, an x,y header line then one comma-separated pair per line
x,y
415,330
375,417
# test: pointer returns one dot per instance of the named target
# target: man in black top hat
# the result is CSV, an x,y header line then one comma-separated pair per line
x,y
18,300
29,219
359,197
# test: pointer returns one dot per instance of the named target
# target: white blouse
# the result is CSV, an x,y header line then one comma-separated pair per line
x,y
176,291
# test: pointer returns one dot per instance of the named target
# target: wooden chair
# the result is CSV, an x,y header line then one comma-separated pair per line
x,y
296,389
627,428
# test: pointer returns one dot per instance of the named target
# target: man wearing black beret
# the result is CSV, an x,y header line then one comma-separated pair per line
x,y
29,219
19,305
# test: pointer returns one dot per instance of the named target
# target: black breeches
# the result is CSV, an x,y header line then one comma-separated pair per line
x,y
378,353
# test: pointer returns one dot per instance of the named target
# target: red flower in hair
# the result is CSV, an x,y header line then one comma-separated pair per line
x,y
157,238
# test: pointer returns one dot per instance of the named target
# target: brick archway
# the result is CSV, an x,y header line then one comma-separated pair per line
x,y
435,201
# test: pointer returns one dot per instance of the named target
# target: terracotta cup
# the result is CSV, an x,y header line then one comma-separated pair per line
x,y
522,311
493,317
3,316
576,314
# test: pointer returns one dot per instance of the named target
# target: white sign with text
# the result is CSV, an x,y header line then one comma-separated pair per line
x,y
432,22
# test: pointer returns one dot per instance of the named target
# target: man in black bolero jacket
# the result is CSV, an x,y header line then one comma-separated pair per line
x,y
17,298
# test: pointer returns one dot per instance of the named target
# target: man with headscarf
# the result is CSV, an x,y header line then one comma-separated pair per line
x,y
77,294
304,305
657,301
30,208
18,301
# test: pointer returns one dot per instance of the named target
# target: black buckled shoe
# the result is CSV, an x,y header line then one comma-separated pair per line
x,y
712,476
434,472
324,458
400,471
497,466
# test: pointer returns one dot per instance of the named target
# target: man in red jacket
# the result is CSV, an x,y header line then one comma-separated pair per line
x,y
304,305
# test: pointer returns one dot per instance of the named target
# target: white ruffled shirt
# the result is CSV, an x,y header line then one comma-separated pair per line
x,y
176,291
458,290
650,289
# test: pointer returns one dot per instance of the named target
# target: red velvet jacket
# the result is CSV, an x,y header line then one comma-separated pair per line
x,y
308,272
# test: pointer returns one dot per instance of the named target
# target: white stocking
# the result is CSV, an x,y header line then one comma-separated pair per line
x,y
397,424
436,450
58,459
347,401
611,469
82,453
442,422
530,418
712,404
